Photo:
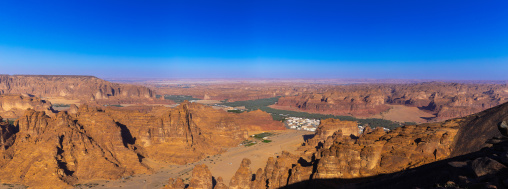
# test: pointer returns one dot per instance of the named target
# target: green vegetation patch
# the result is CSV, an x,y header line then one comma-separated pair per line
x,y
179,98
235,111
280,115
267,141
61,105
248,143
114,105
262,135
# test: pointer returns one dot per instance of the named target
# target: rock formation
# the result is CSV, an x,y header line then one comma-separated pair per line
x,y
243,176
182,134
201,178
96,142
85,88
14,106
428,155
59,151
445,100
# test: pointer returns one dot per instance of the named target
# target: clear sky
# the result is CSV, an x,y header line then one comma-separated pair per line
x,y
406,39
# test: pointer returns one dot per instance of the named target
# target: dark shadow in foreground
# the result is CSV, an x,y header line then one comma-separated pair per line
x,y
460,170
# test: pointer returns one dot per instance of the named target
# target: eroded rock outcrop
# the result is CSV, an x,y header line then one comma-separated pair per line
x,y
85,88
428,155
95,142
243,176
190,131
57,152
201,178
445,100
14,105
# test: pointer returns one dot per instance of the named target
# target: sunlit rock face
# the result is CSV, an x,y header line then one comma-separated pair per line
x,y
445,100
94,142
85,88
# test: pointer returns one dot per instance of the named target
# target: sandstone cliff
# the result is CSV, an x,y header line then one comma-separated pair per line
x,y
94,142
86,88
445,100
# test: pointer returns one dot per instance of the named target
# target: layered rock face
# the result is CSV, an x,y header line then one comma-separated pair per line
x,y
445,100
14,106
95,142
416,155
184,133
353,101
84,88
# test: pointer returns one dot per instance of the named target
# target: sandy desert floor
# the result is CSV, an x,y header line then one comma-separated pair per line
x,y
399,113
224,165
403,113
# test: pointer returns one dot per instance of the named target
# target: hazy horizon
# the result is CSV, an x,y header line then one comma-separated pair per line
x,y
452,40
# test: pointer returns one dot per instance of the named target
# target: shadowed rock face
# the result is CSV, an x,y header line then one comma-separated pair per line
x,y
109,143
446,100
73,87
450,147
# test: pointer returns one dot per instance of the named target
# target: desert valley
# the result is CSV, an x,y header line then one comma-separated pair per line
x,y
224,94
82,131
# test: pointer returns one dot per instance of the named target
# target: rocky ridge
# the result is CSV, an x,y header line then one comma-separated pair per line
x,y
428,155
93,142
85,88
445,100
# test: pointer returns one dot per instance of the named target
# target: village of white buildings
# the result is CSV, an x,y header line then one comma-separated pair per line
x,y
306,124
299,123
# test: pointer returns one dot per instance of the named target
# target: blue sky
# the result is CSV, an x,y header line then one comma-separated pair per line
x,y
420,39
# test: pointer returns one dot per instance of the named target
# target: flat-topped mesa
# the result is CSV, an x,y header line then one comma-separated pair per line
x,y
85,88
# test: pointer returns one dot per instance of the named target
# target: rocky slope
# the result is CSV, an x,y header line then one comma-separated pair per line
x,y
445,100
93,142
85,88
427,155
